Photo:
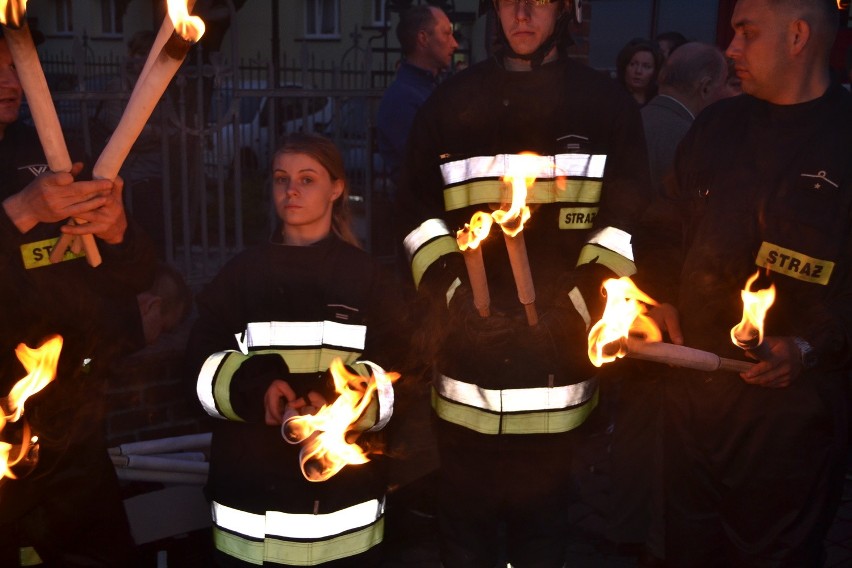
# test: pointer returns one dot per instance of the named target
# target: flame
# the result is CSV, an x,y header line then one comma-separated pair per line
x,y
526,165
749,332
190,28
40,364
13,13
624,313
475,231
327,448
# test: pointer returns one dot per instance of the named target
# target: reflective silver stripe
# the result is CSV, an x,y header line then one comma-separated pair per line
x,y
451,291
384,393
515,400
302,334
428,230
540,167
615,240
204,385
297,526
580,304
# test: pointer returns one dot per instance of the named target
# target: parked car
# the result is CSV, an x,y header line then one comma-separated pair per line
x,y
295,109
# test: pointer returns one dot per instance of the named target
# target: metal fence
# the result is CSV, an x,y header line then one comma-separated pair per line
x,y
198,177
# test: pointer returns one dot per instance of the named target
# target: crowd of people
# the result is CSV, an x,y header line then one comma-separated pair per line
x,y
690,171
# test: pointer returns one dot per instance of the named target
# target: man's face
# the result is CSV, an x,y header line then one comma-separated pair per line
x,y
759,48
441,43
527,24
10,88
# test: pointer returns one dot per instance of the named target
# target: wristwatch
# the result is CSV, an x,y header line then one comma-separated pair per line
x,y
808,355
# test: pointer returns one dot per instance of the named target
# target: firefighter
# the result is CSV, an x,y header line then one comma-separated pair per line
x,y
269,325
508,396
755,461
67,511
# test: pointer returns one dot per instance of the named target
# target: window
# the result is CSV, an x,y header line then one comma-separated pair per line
x,y
64,19
379,18
111,17
322,18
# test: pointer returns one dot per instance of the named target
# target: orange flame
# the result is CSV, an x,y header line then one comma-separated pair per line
x,y
13,13
523,176
190,28
624,313
748,333
475,231
40,364
326,448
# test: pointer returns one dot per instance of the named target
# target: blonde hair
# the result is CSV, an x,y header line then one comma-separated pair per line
x,y
324,151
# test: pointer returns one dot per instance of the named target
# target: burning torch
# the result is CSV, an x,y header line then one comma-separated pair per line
x,y
40,364
469,240
624,319
748,334
328,435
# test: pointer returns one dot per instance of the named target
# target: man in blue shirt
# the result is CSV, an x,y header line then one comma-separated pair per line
x,y
425,35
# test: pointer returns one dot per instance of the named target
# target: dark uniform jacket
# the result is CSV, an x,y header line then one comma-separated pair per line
x,y
284,312
583,208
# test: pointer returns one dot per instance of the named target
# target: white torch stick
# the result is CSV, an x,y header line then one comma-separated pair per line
x,y
34,84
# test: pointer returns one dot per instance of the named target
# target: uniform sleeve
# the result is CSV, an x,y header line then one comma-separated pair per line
x,y
433,254
230,382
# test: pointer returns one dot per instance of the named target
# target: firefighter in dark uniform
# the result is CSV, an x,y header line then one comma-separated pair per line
x,y
269,326
754,463
67,511
506,395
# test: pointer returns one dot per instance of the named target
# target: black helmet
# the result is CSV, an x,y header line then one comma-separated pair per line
x,y
561,36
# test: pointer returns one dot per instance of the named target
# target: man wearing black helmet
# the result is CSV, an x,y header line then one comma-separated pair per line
x,y
509,396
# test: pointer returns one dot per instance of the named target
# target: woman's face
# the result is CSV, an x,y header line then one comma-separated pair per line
x,y
639,71
304,193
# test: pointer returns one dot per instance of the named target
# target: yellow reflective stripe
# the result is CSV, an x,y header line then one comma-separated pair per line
x,y
310,360
614,261
429,253
29,556
577,217
425,232
299,553
794,264
550,422
485,191
222,385
37,254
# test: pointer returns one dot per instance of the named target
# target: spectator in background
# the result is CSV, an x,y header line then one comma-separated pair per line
x,y
669,41
165,304
692,78
426,38
637,66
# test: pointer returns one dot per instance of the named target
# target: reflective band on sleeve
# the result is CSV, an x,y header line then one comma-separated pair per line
x,y
297,526
291,553
548,422
580,304
794,264
427,255
481,192
29,557
304,334
612,260
515,400
615,240
384,393
541,167
428,230
206,380
451,290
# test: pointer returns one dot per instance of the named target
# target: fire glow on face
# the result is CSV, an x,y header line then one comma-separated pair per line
x,y
40,364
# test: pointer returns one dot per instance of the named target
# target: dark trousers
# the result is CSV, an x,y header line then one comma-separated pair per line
x,y
753,475
502,495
